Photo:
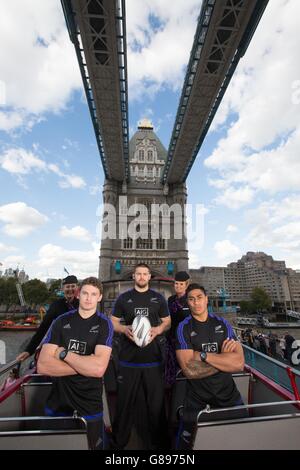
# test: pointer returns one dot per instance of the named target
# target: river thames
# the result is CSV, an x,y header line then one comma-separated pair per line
x,y
14,342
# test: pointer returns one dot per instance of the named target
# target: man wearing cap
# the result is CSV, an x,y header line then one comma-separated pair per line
x,y
57,308
179,310
140,395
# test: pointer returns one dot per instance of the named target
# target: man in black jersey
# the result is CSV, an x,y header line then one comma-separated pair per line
x,y
75,353
179,310
69,302
140,369
207,352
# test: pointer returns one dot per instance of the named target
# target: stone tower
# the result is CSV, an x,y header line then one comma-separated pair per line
x,y
148,217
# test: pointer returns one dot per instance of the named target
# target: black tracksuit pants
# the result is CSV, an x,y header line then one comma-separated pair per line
x,y
188,420
141,403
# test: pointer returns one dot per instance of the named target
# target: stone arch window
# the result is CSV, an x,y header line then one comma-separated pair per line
x,y
141,156
150,155
150,171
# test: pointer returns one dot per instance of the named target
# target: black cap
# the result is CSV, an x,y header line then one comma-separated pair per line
x,y
70,280
181,276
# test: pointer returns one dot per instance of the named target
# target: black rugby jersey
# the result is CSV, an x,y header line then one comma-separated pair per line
x,y
150,304
81,336
57,308
217,390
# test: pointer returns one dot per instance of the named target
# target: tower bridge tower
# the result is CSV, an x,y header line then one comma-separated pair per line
x,y
143,220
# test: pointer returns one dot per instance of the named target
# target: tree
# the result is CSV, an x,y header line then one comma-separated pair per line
x,y
246,306
35,291
8,292
260,299
2,291
54,287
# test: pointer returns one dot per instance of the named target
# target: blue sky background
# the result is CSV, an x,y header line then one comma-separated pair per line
x,y
246,175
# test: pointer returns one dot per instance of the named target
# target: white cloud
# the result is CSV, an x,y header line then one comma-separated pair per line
x,y
10,120
78,233
6,248
226,251
260,149
154,61
194,258
236,198
81,263
94,190
276,226
71,144
14,260
19,161
232,228
68,181
39,68
72,181
20,220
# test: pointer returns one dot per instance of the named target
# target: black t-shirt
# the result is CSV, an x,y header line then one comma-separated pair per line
x,y
217,390
81,336
131,304
56,309
179,310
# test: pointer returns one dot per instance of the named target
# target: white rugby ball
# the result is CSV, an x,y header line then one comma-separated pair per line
x,y
141,331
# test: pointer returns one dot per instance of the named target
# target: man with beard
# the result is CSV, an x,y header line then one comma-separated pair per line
x,y
140,368
57,308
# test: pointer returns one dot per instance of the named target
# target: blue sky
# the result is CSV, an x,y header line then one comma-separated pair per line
x,y
246,175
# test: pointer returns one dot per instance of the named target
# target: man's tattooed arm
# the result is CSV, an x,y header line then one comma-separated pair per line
x,y
198,370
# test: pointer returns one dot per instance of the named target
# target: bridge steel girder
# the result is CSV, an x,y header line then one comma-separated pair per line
x,y
224,31
98,31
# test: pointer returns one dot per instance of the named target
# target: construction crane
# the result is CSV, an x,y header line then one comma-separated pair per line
x,y
19,288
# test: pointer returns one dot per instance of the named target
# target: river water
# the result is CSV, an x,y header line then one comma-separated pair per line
x,y
12,343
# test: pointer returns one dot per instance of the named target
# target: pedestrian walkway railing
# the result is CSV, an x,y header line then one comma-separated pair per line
x,y
292,313
280,373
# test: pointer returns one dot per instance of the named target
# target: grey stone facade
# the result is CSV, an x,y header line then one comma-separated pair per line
x,y
162,251
252,270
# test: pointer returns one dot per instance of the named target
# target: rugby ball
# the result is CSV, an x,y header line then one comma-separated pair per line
x,y
141,331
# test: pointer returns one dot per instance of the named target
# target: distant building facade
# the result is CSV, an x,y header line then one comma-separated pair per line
x,y
145,206
239,279
16,273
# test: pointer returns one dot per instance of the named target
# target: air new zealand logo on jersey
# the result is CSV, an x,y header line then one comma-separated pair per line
x,y
141,311
76,346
